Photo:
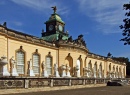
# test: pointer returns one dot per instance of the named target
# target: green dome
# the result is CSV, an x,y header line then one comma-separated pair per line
x,y
55,17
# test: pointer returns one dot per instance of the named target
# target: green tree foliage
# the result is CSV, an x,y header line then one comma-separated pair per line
x,y
126,26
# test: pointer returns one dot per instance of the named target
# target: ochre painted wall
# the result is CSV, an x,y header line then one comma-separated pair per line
x,y
62,55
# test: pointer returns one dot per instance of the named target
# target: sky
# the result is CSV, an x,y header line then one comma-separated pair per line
x,y
97,20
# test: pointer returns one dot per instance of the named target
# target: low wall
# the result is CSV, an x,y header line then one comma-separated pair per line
x,y
9,83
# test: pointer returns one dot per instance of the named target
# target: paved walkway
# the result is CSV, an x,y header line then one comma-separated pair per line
x,y
11,91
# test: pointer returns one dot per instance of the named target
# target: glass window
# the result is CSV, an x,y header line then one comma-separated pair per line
x,y
100,68
89,66
110,67
20,62
95,67
49,65
36,68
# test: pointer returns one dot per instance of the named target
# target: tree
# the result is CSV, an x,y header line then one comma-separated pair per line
x,y
126,26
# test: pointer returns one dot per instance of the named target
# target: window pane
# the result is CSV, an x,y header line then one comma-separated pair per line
x,y
100,68
36,67
20,62
49,65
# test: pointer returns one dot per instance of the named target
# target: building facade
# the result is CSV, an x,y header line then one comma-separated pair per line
x,y
55,54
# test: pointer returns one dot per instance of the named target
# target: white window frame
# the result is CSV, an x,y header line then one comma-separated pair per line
x,y
20,62
49,65
36,64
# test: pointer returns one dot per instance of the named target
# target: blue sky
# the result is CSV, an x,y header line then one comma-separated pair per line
x,y
97,20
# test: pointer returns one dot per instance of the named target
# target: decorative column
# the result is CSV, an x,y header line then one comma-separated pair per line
x,y
30,70
45,74
13,67
68,71
63,67
56,73
77,71
3,67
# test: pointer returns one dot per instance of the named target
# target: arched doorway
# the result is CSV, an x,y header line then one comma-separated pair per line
x,y
120,72
110,73
117,72
80,65
69,62
90,69
100,71
124,72
95,70
114,72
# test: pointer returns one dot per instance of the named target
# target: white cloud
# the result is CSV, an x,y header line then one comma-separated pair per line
x,y
108,13
42,5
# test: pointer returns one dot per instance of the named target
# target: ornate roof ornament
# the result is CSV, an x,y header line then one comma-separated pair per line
x,y
54,8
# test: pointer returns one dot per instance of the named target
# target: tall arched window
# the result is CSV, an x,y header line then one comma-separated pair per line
x,y
124,73
49,65
90,69
36,62
95,70
109,67
114,68
100,70
20,57
117,71
95,67
89,66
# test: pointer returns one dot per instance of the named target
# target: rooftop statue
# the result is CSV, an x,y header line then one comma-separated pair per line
x,y
54,8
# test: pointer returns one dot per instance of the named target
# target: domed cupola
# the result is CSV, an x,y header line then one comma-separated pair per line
x,y
55,17
54,27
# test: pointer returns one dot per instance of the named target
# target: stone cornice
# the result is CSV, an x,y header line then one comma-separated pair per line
x,y
72,46
25,37
95,56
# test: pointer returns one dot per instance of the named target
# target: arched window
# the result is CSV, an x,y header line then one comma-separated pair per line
x,y
113,68
36,62
109,67
100,68
95,70
20,58
89,66
124,72
90,69
49,65
95,67
117,69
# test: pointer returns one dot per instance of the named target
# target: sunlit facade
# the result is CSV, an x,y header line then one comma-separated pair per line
x,y
55,54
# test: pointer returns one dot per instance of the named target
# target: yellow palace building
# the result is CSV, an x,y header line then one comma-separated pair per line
x,y
55,54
